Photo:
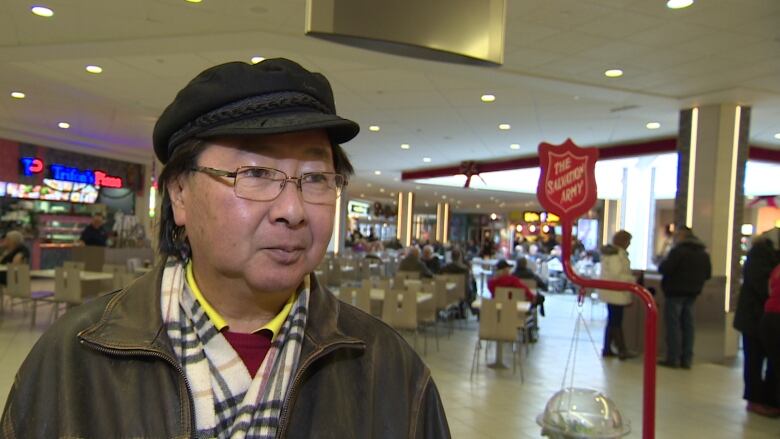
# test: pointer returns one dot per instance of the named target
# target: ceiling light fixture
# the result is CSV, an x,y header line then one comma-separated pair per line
x,y
255,59
193,1
493,216
377,172
63,125
653,125
488,98
42,11
374,128
381,189
678,4
504,126
427,159
613,73
94,69
514,146
478,206
405,146
777,135
18,95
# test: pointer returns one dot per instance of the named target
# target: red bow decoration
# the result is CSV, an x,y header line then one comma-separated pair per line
x,y
770,200
469,169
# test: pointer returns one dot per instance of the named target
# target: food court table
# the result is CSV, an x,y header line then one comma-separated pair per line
x,y
523,308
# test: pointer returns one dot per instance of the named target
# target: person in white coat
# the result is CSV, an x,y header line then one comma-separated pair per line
x,y
615,266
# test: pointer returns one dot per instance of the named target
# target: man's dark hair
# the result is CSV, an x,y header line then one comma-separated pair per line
x,y
173,238
521,262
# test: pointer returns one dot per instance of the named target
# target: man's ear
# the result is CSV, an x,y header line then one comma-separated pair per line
x,y
177,191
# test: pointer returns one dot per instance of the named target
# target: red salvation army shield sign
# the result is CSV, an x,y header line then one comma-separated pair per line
x,y
567,184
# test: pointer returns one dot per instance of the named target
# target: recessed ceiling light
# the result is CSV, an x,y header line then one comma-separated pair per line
x,y
504,126
368,184
418,187
653,125
488,98
255,59
42,11
362,195
427,159
443,197
377,172
396,179
195,1
381,189
374,128
392,194
63,125
613,73
493,216
678,4
18,95
478,206
514,146
94,69
777,136
405,146
426,204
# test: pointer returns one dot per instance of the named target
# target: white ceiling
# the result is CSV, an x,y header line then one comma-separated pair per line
x,y
550,87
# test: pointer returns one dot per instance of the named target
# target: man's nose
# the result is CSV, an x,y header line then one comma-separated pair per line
x,y
288,206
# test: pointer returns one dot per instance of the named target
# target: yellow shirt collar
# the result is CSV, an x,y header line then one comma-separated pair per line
x,y
274,325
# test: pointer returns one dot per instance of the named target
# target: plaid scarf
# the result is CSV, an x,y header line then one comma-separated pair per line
x,y
228,402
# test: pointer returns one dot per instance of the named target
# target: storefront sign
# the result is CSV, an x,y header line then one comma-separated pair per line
x,y
358,208
99,178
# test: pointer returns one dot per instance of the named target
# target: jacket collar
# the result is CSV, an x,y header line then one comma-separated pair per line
x,y
133,320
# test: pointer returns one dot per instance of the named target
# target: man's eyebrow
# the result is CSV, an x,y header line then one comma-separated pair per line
x,y
317,152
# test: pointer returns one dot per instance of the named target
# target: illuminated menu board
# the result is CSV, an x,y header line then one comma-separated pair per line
x,y
51,190
540,217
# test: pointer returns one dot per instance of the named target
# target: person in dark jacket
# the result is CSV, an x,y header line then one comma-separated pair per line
x,y
684,271
458,266
523,272
431,260
769,330
413,263
759,375
232,335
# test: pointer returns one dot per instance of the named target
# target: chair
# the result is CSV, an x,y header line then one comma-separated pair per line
x,y
117,271
19,288
498,326
133,264
360,297
402,315
67,288
509,297
74,264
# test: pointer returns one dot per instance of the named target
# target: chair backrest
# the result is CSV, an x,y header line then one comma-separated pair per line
x,y
495,324
458,293
133,264
509,294
400,314
75,264
117,271
363,298
67,284
440,298
530,283
18,278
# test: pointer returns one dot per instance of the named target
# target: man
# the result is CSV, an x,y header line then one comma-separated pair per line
x,y
413,263
615,266
684,271
430,259
94,234
759,374
233,336
523,272
504,278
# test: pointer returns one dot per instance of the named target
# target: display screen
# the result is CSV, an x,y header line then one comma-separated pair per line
x,y
52,190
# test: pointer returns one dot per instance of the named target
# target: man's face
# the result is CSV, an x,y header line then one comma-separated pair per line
x,y
269,245
97,221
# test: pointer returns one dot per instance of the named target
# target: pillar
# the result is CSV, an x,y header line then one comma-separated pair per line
x,y
339,236
405,219
712,152
442,222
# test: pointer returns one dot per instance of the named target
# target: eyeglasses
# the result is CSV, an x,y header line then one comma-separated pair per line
x,y
265,184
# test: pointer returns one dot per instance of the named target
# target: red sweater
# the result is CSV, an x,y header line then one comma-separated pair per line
x,y
252,348
509,281
772,303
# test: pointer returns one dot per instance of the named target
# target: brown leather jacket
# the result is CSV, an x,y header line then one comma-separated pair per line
x,y
107,369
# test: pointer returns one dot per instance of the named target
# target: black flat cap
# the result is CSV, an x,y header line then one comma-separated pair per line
x,y
271,97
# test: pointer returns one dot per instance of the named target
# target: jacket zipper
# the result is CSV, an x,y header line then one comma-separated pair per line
x,y
291,393
153,353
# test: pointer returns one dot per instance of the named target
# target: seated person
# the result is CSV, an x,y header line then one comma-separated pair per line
x,y
13,252
430,259
504,278
412,262
523,272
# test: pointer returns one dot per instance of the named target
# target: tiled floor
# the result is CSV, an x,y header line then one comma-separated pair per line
x,y
704,402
